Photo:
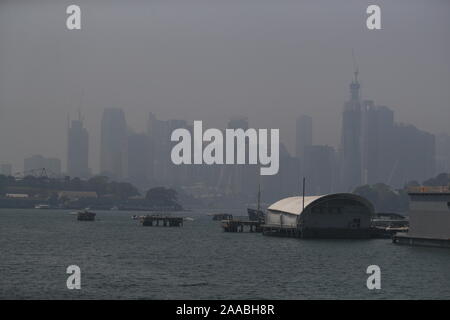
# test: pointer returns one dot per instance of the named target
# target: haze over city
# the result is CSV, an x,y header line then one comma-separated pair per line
x,y
211,60
233,152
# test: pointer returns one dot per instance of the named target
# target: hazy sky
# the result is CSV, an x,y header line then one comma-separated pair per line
x,y
212,59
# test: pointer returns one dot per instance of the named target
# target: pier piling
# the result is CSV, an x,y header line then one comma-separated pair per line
x,y
166,221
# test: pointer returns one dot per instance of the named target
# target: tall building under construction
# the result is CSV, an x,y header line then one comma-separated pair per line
x,y
77,149
113,151
350,151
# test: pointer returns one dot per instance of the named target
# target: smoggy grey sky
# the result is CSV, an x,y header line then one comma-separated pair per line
x,y
212,59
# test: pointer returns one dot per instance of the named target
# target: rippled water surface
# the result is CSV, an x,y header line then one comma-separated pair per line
x,y
120,259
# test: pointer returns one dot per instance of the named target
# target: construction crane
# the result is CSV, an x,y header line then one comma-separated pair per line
x,y
42,173
355,66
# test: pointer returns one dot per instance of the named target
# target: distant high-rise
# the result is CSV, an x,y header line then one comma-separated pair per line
x,y
238,179
415,152
303,135
113,150
159,132
286,182
78,149
319,169
350,151
378,149
6,169
394,153
139,159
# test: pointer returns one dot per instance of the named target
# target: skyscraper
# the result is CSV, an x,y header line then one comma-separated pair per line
x,y
6,169
303,135
379,151
286,182
394,153
113,152
350,151
415,155
159,132
319,169
158,138
139,160
238,178
78,149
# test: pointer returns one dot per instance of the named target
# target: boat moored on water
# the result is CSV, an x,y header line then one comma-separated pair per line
x,y
386,225
86,215
42,206
222,216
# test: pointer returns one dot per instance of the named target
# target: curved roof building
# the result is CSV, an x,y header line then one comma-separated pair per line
x,y
340,215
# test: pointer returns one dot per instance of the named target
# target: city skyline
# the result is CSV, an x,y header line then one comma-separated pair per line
x,y
268,62
374,148
224,156
78,125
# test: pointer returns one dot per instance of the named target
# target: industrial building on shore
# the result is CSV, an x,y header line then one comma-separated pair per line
x,y
341,215
429,218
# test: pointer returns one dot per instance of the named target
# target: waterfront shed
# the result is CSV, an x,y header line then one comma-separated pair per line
x,y
340,215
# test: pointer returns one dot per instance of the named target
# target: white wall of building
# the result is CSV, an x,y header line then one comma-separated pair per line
x,y
429,216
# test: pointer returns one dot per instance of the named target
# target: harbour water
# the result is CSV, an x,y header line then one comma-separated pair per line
x,y
120,259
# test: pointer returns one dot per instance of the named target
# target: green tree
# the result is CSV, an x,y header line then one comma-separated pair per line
x,y
384,198
442,179
161,196
98,184
122,190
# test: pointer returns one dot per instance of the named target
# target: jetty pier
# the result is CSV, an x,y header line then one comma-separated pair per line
x,y
160,220
241,225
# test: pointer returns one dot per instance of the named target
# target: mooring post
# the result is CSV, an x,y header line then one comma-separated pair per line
x,y
303,201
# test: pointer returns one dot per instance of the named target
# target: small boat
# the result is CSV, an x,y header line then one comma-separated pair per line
x,y
86,215
42,206
222,216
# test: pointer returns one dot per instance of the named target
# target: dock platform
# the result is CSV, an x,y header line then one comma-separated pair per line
x,y
277,231
163,221
405,239
222,216
241,225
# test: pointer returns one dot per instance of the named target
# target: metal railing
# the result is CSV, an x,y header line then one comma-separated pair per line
x,y
429,189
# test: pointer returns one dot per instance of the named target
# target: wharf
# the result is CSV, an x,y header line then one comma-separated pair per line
x,y
241,225
159,220
222,216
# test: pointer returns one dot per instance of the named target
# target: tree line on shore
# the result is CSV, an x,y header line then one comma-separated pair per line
x,y
386,199
125,195
108,193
